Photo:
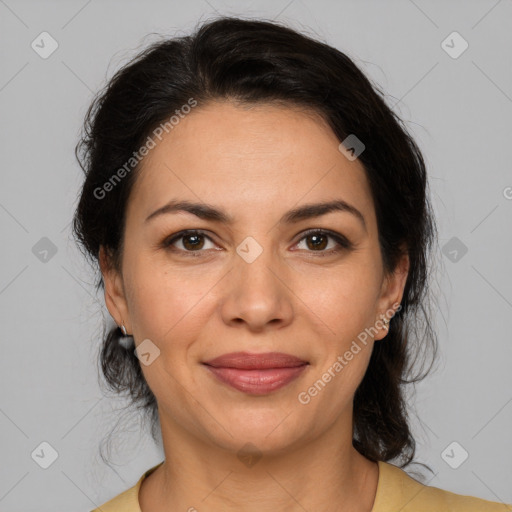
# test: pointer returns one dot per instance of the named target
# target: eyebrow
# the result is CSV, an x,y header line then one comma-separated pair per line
x,y
307,211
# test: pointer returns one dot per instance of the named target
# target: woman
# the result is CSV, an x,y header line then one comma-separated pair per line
x,y
261,221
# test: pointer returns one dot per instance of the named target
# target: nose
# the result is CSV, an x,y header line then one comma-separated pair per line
x,y
257,294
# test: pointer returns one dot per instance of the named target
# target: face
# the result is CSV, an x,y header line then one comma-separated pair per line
x,y
266,278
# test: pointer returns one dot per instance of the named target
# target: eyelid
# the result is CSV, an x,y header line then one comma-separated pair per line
x,y
170,240
344,244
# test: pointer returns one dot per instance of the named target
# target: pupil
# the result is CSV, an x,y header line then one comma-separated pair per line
x,y
194,244
316,244
318,241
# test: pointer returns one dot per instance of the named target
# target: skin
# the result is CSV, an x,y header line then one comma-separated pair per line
x,y
255,164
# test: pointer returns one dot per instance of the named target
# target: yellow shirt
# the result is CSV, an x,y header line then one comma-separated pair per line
x,y
396,490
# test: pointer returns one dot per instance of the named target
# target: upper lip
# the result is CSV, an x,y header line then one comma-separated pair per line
x,y
248,361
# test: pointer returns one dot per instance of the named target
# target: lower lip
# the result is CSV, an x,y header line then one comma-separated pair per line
x,y
257,382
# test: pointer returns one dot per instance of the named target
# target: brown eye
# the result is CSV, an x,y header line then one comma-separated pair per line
x,y
318,241
191,242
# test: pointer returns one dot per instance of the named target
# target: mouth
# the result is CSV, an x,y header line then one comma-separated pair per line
x,y
256,374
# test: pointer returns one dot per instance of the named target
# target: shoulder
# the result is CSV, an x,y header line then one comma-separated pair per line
x,y
397,490
127,501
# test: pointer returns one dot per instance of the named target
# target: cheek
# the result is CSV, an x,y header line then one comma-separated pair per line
x,y
343,298
165,302
171,302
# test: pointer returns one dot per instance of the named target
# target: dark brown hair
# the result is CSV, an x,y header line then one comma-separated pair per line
x,y
258,61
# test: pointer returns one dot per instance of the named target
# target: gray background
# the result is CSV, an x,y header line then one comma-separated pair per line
x,y
459,111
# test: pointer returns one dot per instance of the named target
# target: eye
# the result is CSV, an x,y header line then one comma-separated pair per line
x,y
193,241
319,241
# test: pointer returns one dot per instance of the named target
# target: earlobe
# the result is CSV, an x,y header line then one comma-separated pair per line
x,y
115,299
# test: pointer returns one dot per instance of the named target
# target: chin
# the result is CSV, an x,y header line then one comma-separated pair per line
x,y
266,430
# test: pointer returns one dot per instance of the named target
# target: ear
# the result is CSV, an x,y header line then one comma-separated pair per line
x,y
115,298
392,291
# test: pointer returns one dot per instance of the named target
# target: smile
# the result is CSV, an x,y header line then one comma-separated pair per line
x,y
256,374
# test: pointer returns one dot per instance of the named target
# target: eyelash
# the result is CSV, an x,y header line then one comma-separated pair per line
x,y
343,243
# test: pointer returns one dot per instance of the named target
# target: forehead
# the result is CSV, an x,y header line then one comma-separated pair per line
x,y
262,158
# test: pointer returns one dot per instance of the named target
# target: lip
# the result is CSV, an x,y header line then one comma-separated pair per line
x,y
256,374
250,361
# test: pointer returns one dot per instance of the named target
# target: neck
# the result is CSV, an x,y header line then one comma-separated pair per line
x,y
326,474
